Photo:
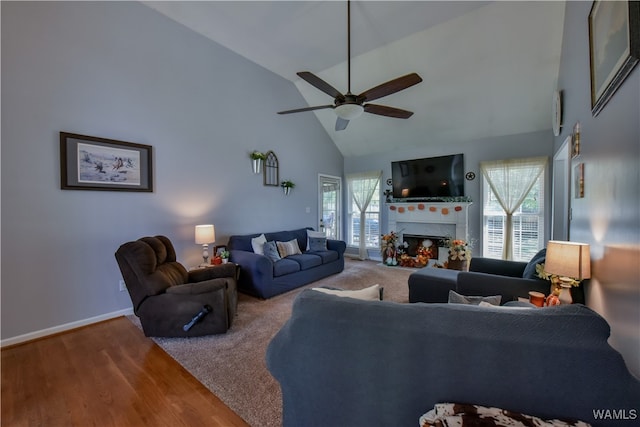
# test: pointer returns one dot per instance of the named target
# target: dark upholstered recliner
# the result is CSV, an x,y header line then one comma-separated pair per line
x,y
166,296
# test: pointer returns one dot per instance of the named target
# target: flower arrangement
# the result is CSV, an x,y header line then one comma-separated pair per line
x,y
257,155
224,254
287,184
458,249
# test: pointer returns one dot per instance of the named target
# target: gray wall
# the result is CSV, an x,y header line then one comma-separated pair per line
x,y
513,146
120,70
608,217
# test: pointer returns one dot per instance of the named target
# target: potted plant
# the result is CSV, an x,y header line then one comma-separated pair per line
x,y
256,160
287,185
225,256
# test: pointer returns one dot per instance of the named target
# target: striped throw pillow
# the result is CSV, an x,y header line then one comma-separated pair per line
x,y
288,248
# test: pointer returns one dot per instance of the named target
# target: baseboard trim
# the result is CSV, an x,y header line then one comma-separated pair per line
x,y
63,328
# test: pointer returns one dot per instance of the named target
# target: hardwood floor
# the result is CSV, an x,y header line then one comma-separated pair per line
x,y
107,374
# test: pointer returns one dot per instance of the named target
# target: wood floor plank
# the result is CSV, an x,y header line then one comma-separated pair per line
x,y
106,374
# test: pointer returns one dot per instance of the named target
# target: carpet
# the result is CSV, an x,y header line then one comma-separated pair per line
x,y
233,365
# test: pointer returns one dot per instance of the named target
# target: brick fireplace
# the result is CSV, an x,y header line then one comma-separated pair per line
x,y
429,220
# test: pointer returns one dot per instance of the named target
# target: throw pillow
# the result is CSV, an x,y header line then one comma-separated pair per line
x,y
372,293
530,270
456,298
311,233
271,251
317,244
257,243
288,248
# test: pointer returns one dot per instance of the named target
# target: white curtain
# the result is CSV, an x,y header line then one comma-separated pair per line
x,y
510,181
361,187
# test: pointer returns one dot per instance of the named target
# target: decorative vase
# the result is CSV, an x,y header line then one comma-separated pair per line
x,y
565,294
225,260
286,190
257,165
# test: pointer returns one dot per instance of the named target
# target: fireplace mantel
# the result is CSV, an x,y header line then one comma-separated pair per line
x,y
447,219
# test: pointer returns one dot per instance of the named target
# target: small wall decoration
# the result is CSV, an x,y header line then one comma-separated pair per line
x,y
575,141
614,47
271,173
92,163
257,158
470,176
579,180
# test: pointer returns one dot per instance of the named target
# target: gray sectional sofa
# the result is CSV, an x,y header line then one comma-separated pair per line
x,y
486,276
347,362
263,277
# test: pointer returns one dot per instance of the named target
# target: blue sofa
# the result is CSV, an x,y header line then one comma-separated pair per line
x,y
347,362
263,278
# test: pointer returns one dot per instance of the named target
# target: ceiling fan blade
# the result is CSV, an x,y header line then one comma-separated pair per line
x,y
318,83
299,110
341,124
383,110
390,87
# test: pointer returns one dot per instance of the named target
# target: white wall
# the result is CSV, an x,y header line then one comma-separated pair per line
x,y
120,70
608,217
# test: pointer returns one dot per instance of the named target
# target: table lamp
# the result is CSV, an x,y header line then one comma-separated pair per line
x,y
569,261
205,234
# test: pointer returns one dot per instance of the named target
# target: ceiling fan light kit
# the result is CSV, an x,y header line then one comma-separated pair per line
x,y
349,111
349,106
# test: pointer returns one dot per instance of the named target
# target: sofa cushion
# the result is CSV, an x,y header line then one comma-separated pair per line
x,y
317,244
306,260
530,270
456,298
271,251
326,256
288,248
285,266
257,244
371,293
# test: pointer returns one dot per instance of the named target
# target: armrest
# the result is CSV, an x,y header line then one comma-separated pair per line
x,y
473,283
208,273
254,265
337,245
497,266
199,287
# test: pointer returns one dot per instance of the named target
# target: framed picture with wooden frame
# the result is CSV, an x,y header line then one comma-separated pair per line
x,y
92,163
614,47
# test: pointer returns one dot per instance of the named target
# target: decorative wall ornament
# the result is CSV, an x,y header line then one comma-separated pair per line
x,y
575,141
579,180
271,174
256,161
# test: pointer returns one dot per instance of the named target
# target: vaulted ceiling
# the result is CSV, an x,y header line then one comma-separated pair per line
x,y
488,68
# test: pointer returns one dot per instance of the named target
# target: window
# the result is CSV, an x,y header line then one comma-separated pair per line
x,y
513,198
364,205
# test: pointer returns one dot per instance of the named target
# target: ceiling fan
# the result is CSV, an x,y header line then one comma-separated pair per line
x,y
349,106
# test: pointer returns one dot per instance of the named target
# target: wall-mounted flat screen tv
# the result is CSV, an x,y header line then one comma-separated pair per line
x,y
431,177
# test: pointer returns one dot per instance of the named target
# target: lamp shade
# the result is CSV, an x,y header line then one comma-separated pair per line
x,y
349,111
568,259
205,234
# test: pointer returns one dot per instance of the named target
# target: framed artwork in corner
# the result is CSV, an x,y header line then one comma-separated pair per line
x,y
92,163
614,47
